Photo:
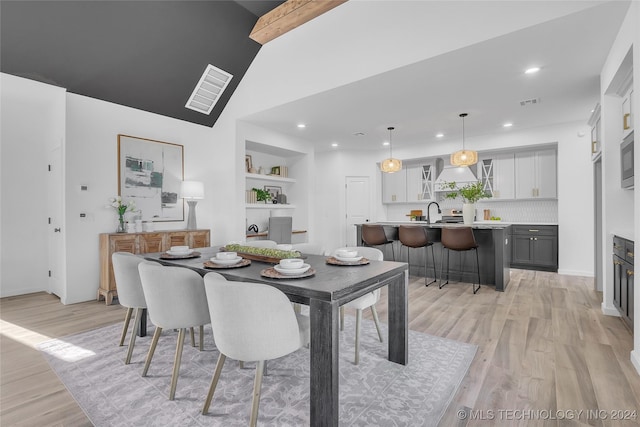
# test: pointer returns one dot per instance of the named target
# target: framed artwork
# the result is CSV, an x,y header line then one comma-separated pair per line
x,y
150,173
248,163
273,190
275,170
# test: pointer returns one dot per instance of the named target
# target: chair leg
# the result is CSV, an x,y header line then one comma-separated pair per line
x,y
193,337
201,337
176,363
132,341
257,385
374,313
433,258
442,268
127,318
478,266
358,321
393,252
214,383
342,318
152,349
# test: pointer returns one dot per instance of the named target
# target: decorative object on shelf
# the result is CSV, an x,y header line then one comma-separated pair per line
x,y
121,208
274,192
150,173
275,170
390,165
470,194
192,191
464,157
248,163
262,195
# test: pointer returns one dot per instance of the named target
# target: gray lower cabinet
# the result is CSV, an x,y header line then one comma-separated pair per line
x,y
623,272
534,247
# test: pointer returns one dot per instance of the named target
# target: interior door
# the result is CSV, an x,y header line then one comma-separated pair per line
x,y
56,233
358,205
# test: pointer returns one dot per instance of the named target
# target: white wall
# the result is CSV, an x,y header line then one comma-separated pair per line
x,y
32,123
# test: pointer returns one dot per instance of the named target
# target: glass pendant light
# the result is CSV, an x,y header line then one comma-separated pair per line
x,y
390,165
464,157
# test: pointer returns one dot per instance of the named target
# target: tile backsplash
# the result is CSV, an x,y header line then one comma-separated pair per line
x,y
536,211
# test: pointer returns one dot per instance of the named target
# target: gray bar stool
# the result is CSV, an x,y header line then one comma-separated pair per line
x,y
374,235
458,239
413,236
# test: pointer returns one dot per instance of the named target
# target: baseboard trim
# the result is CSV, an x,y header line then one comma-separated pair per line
x,y
609,310
635,360
576,273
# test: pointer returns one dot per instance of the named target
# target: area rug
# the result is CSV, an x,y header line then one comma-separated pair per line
x,y
375,392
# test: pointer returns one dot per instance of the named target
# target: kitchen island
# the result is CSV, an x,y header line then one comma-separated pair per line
x,y
494,252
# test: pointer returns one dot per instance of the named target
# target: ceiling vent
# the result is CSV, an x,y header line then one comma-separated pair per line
x,y
532,101
208,90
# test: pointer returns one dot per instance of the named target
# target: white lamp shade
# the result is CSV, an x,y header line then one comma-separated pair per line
x,y
192,190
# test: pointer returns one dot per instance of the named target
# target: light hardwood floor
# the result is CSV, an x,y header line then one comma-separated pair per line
x,y
543,345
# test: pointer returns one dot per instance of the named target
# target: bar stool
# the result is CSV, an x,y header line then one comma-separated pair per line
x,y
374,235
459,240
413,236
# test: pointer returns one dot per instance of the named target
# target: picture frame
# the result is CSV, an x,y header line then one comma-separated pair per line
x,y
275,170
150,174
273,190
248,163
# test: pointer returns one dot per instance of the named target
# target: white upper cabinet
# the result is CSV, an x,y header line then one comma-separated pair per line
x,y
394,187
536,174
420,182
497,174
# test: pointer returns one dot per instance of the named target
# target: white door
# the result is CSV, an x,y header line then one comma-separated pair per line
x,y
55,238
358,205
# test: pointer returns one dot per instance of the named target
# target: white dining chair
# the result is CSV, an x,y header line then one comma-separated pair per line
x,y
130,294
175,300
308,248
271,244
366,301
252,322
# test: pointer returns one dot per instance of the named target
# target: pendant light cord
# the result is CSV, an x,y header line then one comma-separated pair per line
x,y
390,142
463,115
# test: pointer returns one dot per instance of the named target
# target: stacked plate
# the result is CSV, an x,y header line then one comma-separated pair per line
x,y
347,255
180,251
226,258
291,267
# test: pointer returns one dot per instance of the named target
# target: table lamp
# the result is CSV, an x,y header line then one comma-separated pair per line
x,y
192,191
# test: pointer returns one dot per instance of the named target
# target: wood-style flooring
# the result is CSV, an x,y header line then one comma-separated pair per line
x,y
545,351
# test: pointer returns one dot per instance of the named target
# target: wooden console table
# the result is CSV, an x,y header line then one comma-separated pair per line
x,y
138,243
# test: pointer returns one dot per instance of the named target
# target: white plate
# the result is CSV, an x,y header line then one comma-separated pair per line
x,y
291,271
343,259
226,261
181,253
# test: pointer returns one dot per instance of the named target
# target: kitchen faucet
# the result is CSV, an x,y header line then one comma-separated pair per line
x,y
428,214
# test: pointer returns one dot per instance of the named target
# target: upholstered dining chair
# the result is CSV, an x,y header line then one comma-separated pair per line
x,y
374,235
366,301
130,294
271,244
175,300
252,322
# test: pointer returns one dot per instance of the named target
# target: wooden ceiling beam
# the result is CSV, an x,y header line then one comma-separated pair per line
x,y
289,15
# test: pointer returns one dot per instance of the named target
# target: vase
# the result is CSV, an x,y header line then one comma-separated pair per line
x,y
468,213
121,228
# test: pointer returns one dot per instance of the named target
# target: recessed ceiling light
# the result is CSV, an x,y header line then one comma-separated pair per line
x,y
335,144
302,125
507,125
532,70
358,134
385,143
439,135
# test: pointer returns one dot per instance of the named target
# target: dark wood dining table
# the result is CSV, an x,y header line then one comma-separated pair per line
x,y
330,287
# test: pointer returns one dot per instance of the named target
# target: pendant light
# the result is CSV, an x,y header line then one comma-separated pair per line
x,y
390,165
464,157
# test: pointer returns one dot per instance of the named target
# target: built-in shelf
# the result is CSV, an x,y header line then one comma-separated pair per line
x,y
275,178
269,206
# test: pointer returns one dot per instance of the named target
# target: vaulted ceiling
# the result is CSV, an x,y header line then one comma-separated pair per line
x,y
148,55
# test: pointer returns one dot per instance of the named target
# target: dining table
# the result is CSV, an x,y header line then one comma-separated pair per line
x,y
329,287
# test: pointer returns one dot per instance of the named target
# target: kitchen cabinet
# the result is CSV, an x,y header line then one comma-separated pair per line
x,y
497,172
627,110
534,247
394,187
536,174
139,243
623,278
596,131
420,182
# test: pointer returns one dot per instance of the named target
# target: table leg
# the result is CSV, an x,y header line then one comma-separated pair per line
x,y
142,330
398,319
324,316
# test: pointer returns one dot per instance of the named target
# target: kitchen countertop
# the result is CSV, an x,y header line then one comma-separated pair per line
x,y
483,224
